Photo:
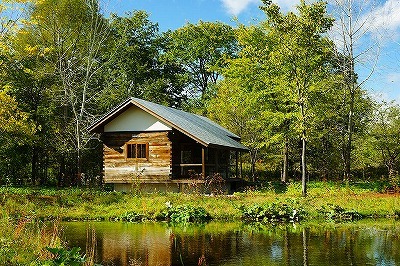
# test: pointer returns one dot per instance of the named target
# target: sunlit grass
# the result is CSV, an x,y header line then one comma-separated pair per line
x,y
81,204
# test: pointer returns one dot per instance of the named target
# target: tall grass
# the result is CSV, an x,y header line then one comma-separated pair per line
x,y
25,242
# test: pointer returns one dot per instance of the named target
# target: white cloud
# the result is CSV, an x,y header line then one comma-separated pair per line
x,y
385,18
235,7
287,5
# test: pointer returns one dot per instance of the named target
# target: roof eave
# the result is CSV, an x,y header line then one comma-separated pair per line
x,y
217,146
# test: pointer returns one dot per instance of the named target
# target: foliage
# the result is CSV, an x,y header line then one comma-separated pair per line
x,y
200,49
182,214
367,198
131,216
273,212
338,214
135,66
16,132
63,256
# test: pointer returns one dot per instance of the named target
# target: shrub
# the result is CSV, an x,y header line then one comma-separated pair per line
x,y
274,212
336,213
184,214
132,216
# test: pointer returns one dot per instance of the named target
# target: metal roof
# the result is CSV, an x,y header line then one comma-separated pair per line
x,y
197,127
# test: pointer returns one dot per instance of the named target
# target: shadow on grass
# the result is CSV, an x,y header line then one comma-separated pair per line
x,y
377,186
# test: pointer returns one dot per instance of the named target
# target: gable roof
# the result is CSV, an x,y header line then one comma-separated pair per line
x,y
197,127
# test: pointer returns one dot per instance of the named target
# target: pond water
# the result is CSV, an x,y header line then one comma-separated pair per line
x,y
134,244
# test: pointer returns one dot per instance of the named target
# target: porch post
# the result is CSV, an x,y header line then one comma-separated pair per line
x,y
237,163
203,162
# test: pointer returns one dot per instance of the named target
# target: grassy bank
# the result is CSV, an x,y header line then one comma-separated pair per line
x,y
25,234
367,199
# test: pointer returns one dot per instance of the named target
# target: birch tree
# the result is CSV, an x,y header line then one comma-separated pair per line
x,y
353,49
71,36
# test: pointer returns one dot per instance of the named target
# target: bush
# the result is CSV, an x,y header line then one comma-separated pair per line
x,y
184,214
336,213
274,212
132,216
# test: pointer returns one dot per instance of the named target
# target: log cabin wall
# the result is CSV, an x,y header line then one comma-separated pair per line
x,y
120,169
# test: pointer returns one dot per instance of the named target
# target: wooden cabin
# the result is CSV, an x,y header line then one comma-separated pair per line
x,y
162,148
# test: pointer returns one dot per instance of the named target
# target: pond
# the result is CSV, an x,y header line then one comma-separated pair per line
x,y
134,244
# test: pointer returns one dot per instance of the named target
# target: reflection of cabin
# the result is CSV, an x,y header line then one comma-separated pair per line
x,y
164,148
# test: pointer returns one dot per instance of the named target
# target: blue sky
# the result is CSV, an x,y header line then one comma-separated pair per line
x,y
383,21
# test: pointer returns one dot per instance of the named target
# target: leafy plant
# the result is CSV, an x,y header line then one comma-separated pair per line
x,y
337,213
274,212
63,256
185,214
132,216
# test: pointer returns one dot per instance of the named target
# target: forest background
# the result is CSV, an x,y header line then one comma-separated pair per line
x,y
287,86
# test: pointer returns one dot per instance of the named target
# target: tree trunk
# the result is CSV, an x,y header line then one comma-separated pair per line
x,y
34,174
61,174
303,167
284,177
253,167
347,173
303,150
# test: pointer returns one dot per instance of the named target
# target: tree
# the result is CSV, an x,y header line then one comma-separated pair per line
x,y
349,34
240,110
56,54
201,49
385,132
248,101
302,53
138,69
16,130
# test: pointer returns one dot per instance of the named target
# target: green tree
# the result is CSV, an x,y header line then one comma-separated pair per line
x,y
385,132
301,53
16,131
200,49
249,103
55,62
134,66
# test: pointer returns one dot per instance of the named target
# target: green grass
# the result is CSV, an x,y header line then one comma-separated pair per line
x,y
81,204
24,214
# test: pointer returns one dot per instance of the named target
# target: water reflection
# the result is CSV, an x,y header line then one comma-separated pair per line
x,y
237,244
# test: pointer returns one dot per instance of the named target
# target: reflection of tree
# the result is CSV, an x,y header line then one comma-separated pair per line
x,y
287,246
305,247
155,244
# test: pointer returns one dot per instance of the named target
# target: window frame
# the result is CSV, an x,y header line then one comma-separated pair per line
x,y
136,144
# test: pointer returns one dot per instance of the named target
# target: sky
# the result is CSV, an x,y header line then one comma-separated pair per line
x,y
382,40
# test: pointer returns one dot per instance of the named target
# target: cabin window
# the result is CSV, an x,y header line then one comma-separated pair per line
x,y
137,151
